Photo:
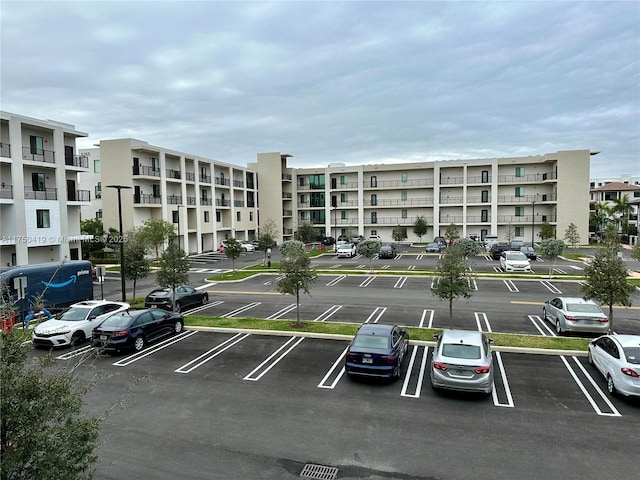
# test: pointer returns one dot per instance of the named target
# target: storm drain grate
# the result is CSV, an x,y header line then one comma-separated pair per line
x,y
319,472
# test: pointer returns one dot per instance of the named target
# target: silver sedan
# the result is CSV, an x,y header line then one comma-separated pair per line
x,y
617,357
574,314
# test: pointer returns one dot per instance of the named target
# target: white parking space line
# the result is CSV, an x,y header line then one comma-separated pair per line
x,y
505,383
376,314
75,353
593,383
336,280
155,348
423,365
367,281
419,257
411,267
575,267
273,280
202,307
210,354
424,314
559,270
614,412
385,267
240,310
361,266
541,326
271,362
498,269
473,285
339,362
282,311
400,282
327,313
206,285
337,265
511,286
480,317
552,288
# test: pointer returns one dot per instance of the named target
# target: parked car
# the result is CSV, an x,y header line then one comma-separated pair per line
x,y
134,329
74,325
357,240
377,351
248,247
346,250
441,240
328,240
185,296
512,261
517,245
497,248
575,314
462,360
617,357
387,251
375,238
434,247
343,238
530,252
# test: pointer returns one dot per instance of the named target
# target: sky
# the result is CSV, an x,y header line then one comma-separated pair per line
x,y
353,82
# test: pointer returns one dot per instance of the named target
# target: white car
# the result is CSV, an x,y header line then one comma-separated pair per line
x,y
512,261
248,247
346,250
617,357
75,324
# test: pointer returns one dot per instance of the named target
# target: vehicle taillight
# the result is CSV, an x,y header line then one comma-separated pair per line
x,y
350,357
389,358
480,370
571,319
603,320
439,366
630,371
121,333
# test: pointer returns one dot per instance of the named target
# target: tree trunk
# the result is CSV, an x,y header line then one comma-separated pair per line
x,y
134,288
297,307
610,318
451,313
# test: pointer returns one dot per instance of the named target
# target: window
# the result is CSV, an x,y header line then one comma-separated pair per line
x,y
251,216
99,214
483,233
156,191
485,176
98,190
316,181
96,165
344,214
519,191
37,145
374,217
334,183
206,217
303,198
237,216
519,211
484,215
374,181
175,216
519,171
204,195
404,213
303,215
374,200
343,179
301,181
155,165
519,231
317,199
218,217
37,182
485,196
42,219
404,177
343,198
403,195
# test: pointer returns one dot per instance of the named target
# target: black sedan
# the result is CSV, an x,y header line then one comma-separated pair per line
x,y
133,329
377,351
185,296
387,251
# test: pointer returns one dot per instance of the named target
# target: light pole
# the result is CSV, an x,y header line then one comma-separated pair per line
x,y
533,219
119,188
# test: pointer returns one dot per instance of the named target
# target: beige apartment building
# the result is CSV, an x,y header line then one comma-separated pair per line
x,y
40,200
508,197
207,200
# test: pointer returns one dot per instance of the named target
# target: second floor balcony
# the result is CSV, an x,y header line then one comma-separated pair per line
x,y
36,155
78,196
41,194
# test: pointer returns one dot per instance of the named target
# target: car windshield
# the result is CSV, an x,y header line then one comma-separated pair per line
x,y
632,354
75,314
583,308
371,341
386,247
458,350
117,321
516,256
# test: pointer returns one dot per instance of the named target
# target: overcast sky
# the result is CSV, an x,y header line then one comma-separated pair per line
x,y
353,82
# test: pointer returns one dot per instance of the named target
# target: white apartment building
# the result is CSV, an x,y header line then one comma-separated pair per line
x,y
39,197
207,200
507,197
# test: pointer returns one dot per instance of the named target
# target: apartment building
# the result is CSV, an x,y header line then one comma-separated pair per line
x,y
207,200
508,197
39,197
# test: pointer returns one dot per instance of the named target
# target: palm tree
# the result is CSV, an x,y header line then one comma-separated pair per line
x,y
624,207
600,216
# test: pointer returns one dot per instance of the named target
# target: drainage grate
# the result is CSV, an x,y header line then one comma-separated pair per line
x,y
319,472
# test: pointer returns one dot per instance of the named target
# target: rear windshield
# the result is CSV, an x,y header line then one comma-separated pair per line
x,y
117,321
457,350
75,314
583,308
632,354
371,341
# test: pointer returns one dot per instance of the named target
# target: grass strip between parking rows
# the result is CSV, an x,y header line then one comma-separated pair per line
x,y
415,333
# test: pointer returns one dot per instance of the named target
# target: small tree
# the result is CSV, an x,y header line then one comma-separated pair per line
x,y
93,227
451,233
551,249
420,227
606,279
510,234
43,430
546,231
174,270
468,246
295,266
399,233
307,233
453,279
136,265
233,251
369,249
267,237
571,235
157,232
635,251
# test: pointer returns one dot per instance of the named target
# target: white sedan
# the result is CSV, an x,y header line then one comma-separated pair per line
x,y
513,261
617,357
248,247
346,250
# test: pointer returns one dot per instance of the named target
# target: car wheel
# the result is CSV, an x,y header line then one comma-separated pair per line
x,y
589,358
559,330
138,344
611,388
76,339
178,326
205,299
544,313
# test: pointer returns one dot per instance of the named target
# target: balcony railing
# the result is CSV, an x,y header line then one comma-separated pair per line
x,y
478,179
223,203
191,200
526,219
422,182
174,199
47,156
238,183
78,196
205,201
238,203
287,213
146,198
145,170
171,173
448,180
5,149
222,181
190,176
531,177
205,178
44,194
287,177
6,191
385,202
81,161
286,195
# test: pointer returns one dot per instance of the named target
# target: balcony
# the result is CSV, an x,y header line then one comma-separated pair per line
x,y
205,201
78,196
191,200
81,161
396,202
5,150
527,219
6,191
451,180
173,174
44,194
532,177
286,177
287,196
46,156
238,183
422,182
205,178
190,176
287,213
174,199
222,181
144,170
478,179
146,199
222,203
238,203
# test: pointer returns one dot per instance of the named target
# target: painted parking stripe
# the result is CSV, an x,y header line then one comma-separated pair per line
x,y
400,282
153,349
282,311
411,267
407,378
367,281
240,310
473,285
505,384
262,369
375,315
206,285
596,408
541,325
336,280
202,307
327,313
480,317
210,354
75,353
339,363
552,288
511,286
426,312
